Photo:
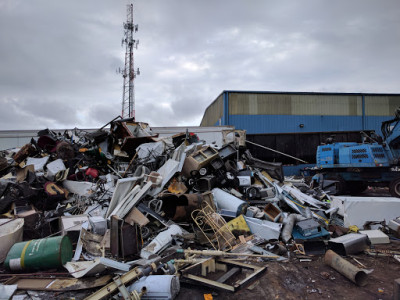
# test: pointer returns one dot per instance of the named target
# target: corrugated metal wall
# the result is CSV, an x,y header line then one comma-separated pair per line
x,y
279,112
286,104
255,124
381,105
214,112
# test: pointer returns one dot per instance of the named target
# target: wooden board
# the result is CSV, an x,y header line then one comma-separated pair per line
x,y
59,284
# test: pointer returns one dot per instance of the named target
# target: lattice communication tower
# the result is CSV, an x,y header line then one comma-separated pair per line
x,y
129,73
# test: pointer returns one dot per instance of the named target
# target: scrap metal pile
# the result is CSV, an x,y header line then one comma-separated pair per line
x,y
122,211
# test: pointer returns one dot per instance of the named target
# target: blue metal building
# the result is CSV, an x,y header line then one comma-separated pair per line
x,y
300,112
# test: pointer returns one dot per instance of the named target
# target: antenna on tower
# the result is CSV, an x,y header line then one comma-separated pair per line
x,y
129,73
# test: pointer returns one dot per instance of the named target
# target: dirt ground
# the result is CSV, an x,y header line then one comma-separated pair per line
x,y
313,280
292,279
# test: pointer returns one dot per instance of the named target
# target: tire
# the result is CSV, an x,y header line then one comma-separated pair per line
x,y
394,188
356,187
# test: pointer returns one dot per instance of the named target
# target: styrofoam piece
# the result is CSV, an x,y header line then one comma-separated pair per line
x,y
157,286
226,201
376,236
54,167
38,163
358,210
81,188
161,241
264,229
79,269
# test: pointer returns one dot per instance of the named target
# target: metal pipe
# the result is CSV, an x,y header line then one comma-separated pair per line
x,y
350,271
222,253
277,151
288,228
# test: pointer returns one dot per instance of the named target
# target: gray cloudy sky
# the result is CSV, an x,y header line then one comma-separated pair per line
x,y
58,59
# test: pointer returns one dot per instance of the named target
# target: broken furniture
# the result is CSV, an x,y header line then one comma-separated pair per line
x,y
201,273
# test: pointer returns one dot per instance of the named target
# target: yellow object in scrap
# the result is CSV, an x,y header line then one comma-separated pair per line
x,y
239,224
353,228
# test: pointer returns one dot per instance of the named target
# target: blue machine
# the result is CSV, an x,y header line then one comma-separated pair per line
x,y
355,166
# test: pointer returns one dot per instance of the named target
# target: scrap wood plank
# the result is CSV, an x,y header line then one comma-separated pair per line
x,y
228,275
58,284
195,268
210,282
257,271
112,287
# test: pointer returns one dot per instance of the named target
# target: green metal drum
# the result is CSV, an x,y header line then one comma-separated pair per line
x,y
47,253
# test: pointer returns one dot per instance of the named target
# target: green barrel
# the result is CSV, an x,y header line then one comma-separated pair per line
x,y
47,253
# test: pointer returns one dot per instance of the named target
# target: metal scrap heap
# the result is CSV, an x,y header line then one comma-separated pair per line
x,y
122,212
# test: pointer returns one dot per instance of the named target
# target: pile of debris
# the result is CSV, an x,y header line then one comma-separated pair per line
x,y
122,211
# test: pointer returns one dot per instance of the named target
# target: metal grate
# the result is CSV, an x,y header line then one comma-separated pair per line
x,y
377,150
363,150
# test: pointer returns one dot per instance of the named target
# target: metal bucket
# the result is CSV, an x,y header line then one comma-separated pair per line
x,y
47,253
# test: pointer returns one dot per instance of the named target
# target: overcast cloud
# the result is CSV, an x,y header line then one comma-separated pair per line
x,y
58,59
